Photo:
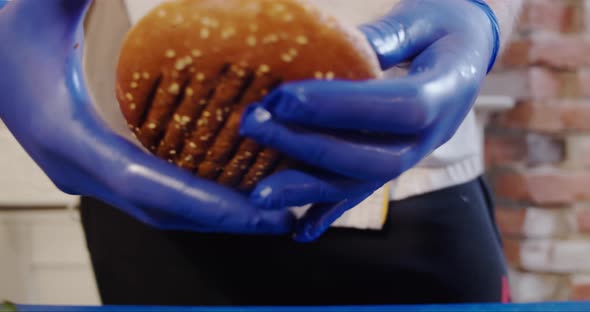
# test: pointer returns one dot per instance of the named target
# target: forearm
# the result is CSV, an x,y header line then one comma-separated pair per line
x,y
507,12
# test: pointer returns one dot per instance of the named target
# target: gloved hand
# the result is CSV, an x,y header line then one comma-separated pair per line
x,y
45,104
363,134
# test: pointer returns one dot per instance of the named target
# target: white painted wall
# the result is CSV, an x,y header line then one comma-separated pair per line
x,y
43,259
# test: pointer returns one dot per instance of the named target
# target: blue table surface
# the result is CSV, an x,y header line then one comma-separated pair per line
x,y
541,307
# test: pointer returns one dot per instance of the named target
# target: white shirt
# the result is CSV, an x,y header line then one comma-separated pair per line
x,y
457,162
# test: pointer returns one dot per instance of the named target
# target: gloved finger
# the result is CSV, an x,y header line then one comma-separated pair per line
x,y
319,218
363,157
46,17
294,188
385,106
3,3
179,199
401,34
443,73
448,63
163,195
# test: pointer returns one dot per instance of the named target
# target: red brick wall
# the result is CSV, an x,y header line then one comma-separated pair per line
x,y
538,154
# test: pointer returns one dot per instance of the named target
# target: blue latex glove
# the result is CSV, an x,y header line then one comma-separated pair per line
x,y
360,135
45,104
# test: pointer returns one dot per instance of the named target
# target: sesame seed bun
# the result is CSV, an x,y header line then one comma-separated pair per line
x,y
189,68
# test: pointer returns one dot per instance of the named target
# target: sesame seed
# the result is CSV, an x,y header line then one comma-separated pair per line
x,y
176,117
189,91
205,20
134,85
170,53
204,33
319,75
171,161
172,152
200,122
152,126
192,145
270,38
146,75
196,53
133,106
136,76
188,60
264,68
162,13
248,154
202,102
287,58
229,174
206,114
180,65
200,76
288,17
251,41
174,88
301,40
188,158
179,20
204,138
228,32
330,75
209,22
219,111
279,7
129,96
293,52
259,174
185,120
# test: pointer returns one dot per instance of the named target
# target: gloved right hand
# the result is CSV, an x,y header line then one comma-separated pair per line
x,y
45,104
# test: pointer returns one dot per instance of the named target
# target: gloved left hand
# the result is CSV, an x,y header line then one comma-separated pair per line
x,y
360,135
45,104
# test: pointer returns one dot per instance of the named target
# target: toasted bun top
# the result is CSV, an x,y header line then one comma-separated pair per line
x,y
290,38
190,67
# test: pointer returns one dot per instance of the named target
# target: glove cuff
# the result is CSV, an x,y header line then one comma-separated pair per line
x,y
495,30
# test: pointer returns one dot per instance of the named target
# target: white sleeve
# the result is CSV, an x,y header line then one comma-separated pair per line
x,y
356,12
139,8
